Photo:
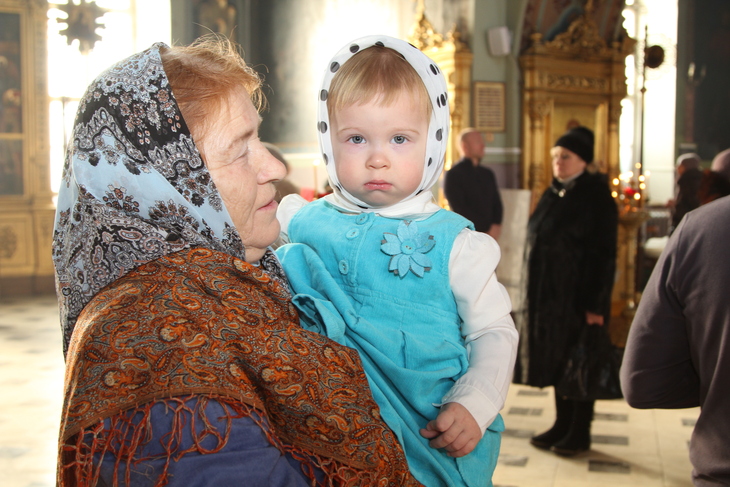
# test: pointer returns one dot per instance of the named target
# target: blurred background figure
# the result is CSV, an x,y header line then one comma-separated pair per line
x,y
471,188
570,260
686,197
678,348
715,182
721,164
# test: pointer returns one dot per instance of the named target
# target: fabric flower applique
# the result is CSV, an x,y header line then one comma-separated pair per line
x,y
407,249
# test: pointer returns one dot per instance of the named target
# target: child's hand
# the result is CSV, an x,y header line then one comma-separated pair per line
x,y
454,429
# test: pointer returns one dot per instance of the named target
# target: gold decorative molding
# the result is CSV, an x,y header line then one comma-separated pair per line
x,y
582,40
570,82
614,111
453,39
422,34
425,37
575,78
625,296
539,109
536,174
8,242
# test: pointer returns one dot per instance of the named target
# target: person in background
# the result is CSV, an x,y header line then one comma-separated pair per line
x,y
715,182
678,349
185,361
471,189
713,185
689,176
380,267
570,259
283,186
721,164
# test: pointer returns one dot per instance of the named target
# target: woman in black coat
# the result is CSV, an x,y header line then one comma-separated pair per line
x,y
570,261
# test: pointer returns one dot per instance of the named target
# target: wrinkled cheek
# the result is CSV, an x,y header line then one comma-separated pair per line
x,y
241,211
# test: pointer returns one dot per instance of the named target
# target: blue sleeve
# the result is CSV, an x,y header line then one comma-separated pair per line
x,y
248,458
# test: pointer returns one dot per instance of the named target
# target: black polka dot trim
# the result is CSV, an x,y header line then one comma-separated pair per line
x,y
438,94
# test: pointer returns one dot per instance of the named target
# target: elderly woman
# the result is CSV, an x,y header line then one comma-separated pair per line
x,y
570,261
185,362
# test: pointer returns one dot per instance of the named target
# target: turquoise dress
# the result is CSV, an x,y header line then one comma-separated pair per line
x,y
382,287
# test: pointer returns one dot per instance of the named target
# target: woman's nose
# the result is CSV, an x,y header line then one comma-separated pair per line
x,y
271,169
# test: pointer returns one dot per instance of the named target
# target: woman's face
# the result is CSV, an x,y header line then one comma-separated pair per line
x,y
244,171
566,163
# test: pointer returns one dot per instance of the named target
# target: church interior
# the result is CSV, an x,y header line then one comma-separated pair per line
x,y
644,75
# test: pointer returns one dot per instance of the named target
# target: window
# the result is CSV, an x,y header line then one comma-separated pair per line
x,y
659,99
129,26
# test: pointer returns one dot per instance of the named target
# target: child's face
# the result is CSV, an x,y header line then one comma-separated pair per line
x,y
380,150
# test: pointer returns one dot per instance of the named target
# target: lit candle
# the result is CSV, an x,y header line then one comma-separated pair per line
x,y
647,177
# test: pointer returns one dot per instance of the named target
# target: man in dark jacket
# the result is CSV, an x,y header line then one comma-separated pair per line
x,y
471,189
678,350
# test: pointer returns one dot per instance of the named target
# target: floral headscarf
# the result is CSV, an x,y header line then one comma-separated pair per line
x,y
134,187
438,128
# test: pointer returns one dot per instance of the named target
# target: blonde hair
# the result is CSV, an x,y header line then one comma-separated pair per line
x,y
375,72
203,74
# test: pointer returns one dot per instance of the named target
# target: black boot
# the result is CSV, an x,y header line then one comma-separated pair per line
x,y
578,438
563,421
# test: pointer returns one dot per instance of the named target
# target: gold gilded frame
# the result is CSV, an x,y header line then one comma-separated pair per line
x,y
489,106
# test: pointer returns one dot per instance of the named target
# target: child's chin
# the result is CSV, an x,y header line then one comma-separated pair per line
x,y
378,202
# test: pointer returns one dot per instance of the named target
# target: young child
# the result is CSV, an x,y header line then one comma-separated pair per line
x,y
380,267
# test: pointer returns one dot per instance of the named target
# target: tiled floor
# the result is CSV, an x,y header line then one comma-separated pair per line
x,y
31,387
630,447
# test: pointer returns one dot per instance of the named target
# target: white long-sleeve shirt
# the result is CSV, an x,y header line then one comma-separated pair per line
x,y
484,307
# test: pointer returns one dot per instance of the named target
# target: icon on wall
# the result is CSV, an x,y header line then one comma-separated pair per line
x,y
11,107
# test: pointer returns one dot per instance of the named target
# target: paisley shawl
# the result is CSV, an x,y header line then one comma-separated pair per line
x,y
203,322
